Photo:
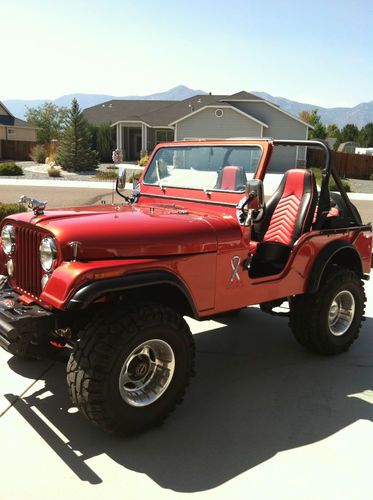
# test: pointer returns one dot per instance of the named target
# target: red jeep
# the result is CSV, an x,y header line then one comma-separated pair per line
x,y
111,283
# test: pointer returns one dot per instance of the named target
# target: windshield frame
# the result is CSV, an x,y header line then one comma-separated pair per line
x,y
206,144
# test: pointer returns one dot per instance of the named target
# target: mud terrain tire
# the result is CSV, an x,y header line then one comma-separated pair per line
x,y
328,321
131,367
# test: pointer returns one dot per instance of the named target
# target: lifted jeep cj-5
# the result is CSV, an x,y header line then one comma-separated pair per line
x,y
111,283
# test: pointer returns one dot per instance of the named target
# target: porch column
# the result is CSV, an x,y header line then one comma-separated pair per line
x,y
120,144
119,133
144,138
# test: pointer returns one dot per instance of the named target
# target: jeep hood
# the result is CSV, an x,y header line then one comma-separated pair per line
x,y
133,231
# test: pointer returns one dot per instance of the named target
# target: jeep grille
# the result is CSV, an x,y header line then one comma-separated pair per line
x,y
27,269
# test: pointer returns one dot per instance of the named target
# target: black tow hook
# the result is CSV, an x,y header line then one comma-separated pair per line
x,y
61,338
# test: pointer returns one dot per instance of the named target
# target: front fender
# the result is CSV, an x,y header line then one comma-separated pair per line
x,y
90,292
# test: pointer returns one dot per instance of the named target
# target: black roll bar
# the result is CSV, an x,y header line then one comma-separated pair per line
x,y
324,198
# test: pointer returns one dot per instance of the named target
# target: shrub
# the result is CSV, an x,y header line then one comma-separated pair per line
x,y
371,177
143,161
345,184
10,169
107,174
136,176
10,208
332,185
38,154
54,172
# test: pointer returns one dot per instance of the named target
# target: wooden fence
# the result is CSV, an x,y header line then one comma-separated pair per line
x,y
16,150
346,164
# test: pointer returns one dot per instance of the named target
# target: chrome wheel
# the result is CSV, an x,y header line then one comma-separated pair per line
x,y
341,313
146,373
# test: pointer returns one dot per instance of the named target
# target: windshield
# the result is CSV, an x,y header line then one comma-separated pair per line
x,y
204,167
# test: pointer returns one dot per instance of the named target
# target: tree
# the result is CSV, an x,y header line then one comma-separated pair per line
x,y
366,136
49,118
313,118
103,140
74,150
305,116
350,132
332,130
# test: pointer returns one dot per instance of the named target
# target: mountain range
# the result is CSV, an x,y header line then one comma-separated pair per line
x,y
18,106
359,115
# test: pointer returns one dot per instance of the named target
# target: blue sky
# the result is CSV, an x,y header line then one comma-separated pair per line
x,y
319,52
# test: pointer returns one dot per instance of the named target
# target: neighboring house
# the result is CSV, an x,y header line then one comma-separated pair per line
x,y
332,141
17,137
347,147
140,125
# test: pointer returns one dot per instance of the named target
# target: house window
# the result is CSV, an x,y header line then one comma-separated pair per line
x,y
164,136
219,113
11,131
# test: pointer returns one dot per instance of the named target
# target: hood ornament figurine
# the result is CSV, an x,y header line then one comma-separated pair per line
x,y
35,205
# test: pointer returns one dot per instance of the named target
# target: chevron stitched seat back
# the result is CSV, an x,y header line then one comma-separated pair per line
x,y
293,212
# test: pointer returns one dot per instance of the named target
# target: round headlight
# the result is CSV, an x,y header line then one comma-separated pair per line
x,y
8,239
48,254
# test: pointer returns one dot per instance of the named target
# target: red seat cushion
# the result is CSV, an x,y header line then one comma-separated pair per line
x,y
292,210
231,178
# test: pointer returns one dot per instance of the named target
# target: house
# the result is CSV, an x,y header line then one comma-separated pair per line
x,y
17,137
141,124
347,147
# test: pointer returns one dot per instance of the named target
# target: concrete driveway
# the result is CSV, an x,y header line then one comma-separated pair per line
x,y
263,419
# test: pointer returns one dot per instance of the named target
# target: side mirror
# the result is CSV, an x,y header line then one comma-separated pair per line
x,y
122,175
251,207
255,191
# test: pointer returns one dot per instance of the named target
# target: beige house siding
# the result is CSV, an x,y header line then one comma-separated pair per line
x,y
206,124
20,134
281,126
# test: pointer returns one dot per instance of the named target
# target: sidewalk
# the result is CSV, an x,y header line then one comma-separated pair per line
x,y
19,181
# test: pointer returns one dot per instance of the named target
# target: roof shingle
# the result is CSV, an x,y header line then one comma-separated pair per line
x,y
11,121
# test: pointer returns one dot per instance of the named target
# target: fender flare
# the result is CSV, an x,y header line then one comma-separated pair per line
x,y
91,291
325,256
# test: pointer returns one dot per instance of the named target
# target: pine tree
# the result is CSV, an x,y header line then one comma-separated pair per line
x,y
74,150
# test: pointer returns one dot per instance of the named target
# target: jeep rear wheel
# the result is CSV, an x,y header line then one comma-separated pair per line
x,y
131,367
328,321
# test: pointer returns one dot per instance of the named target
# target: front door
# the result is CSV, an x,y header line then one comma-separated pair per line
x,y
135,141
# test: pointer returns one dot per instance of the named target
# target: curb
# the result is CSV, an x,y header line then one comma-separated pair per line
x,y
62,184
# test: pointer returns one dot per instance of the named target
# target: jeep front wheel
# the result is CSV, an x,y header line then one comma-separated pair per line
x,y
328,321
131,367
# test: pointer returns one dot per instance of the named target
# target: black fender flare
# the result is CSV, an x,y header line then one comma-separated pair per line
x,y
91,291
325,257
